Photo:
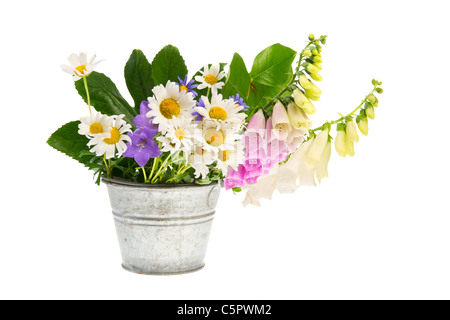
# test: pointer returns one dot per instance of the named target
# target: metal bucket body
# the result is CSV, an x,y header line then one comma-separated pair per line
x,y
162,229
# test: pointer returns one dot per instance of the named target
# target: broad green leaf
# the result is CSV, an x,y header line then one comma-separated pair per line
x,y
168,65
138,76
238,80
271,66
105,97
259,96
67,140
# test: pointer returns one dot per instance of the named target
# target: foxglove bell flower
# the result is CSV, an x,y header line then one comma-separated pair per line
x,y
235,178
280,121
363,126
352,133
322,165
297,117
317,148
303,102
340,143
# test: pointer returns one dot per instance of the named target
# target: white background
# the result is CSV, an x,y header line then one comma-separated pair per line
x,y
378,228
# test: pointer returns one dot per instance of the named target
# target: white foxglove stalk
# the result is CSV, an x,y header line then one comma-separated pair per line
x,y
79,66
363,126
340,143
352,133
317,148
280,121
303,102
322,165
297,117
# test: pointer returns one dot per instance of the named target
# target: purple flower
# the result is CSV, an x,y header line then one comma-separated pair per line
x,y
142,146
188,86
198,117
141,120
240,101
235,178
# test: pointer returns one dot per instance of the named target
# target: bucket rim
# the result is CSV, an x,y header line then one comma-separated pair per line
x,y
123,182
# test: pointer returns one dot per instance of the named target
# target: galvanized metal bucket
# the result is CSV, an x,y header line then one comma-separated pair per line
x,y
162,229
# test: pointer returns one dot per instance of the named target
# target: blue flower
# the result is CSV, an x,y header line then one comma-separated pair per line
x,y
240,101
188,86
198,117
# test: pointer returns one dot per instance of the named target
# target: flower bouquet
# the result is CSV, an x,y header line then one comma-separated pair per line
x,y
248,131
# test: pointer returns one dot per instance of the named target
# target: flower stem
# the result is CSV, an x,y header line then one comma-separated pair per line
x,y
145,175
161,169
155,160
87,94
348,115
108,170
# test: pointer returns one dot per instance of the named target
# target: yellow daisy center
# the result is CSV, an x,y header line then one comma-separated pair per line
x,y
224,155
210,79
180,134
81,69
169,108
95,128
115,136
184,87
218,113
214,137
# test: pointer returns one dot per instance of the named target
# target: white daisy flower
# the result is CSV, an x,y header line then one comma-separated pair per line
x,y
107,143
200,159
210,78
220,111
230,157
94,124
179,136
80,67
215,139
169,102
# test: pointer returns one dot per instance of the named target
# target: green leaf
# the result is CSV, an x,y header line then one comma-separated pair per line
x,y
105,97
168,65
271,66
138,76
260,95
67,140
238,80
